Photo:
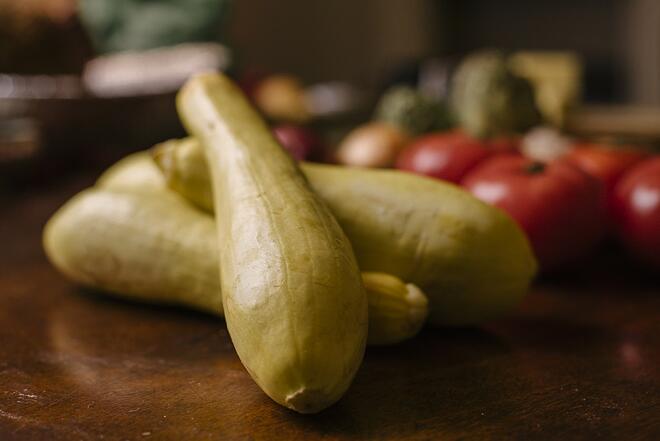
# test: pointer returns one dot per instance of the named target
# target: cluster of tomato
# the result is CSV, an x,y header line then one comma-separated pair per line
x,y
565,205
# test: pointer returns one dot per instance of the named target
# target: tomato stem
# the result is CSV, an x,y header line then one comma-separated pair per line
x,y
535,168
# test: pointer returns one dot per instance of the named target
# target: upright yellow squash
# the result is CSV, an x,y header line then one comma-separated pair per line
x,y
294,302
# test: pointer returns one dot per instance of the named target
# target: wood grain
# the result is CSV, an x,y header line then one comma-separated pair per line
x,y
579,360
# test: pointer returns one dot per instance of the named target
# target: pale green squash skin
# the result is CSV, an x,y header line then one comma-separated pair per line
x,y
292,294
471,260
132,237
136,173
144,244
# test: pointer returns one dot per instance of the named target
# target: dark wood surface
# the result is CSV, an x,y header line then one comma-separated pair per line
x,y
579,360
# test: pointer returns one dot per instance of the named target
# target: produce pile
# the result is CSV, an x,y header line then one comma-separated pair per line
x,y
306,262
490,137
567,203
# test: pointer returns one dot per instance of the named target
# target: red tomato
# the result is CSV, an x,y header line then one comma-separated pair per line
x,y
302,143
559,206
636,205
606,163
446,155
504,144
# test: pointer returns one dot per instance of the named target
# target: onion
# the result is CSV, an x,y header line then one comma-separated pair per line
x,y
371,145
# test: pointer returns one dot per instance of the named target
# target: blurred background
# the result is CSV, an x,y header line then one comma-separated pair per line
x,y
84,81
361,41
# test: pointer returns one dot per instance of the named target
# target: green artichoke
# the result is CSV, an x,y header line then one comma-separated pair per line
x,y
412,112
489,99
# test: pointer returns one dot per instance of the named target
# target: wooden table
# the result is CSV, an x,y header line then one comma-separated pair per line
x,y
579,360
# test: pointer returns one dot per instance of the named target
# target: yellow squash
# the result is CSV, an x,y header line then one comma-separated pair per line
x,y
133,238
397,310
293,298
152,247
471,260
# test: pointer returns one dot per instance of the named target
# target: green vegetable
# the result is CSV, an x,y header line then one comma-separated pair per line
x,y
470,259
120,25
293,298
412,112
489,99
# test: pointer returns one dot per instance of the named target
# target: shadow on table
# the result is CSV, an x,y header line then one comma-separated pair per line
x,y
398,389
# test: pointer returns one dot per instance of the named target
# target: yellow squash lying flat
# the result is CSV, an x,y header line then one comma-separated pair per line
x,y
133,238
293,299
146,246
470,259
135,173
